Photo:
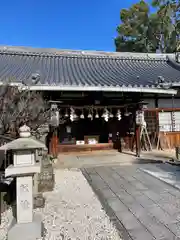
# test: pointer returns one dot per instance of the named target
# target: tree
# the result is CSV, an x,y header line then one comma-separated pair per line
x,y
19,106
168,12
143,31
134,30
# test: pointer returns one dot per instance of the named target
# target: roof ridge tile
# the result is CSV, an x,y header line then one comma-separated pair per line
x,y
70,55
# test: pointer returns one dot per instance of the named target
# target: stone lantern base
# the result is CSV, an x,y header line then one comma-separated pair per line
x,y
26,231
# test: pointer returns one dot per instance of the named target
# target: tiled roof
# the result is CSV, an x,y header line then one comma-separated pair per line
x,y
79,68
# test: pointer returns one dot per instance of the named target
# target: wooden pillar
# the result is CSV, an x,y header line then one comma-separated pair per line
x,y
157,125
137,138
54,124
119,144
54,144
134,133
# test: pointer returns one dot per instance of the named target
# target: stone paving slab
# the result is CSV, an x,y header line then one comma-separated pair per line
x,y
91,159
147,207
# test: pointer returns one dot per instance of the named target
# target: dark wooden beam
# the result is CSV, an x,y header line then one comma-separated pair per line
x,y
137,138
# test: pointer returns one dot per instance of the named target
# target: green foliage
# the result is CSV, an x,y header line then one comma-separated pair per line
x,y
143,31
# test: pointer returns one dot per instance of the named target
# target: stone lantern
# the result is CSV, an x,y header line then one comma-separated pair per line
x,y
26,225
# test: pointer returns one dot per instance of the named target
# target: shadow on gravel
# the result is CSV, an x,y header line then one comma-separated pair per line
x,y
148,160
105,206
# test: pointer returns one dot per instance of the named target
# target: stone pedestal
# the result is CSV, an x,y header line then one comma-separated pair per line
x,y
26,231
26,225
24,191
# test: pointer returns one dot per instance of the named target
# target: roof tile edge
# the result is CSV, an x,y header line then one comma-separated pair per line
x,y
88,53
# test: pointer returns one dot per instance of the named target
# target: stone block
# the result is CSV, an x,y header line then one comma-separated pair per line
x,y
26,231
39,201
130,179
139,186
136,209
126,198
129,221
169,208
144,201
152,195
135,193
175,228
98,182
158,229
107,193
161,215
22,170
141,234
117,205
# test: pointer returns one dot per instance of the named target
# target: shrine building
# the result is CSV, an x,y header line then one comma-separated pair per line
x,y
98,95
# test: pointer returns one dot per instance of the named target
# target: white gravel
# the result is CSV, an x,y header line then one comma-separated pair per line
x,y
6,218
72,211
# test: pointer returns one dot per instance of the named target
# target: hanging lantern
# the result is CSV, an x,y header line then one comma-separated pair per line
x,y
111,115
126,113
66,114
106,115
82,115
140,118
68,129
55,119
75,116
103,114
90,115
72,115
55,115
118,115
97,115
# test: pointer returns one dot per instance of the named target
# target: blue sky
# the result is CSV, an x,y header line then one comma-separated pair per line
x,y
65,24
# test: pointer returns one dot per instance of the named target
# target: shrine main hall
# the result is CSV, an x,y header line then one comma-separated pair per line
x,y
96,96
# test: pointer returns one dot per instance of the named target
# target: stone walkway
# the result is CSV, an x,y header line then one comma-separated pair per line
x,y
165,172
144,207
91,159
110,158
72,211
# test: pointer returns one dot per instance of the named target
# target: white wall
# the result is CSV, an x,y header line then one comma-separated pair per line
x,y
167,103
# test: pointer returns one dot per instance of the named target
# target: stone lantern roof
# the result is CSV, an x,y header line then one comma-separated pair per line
x,y
25,141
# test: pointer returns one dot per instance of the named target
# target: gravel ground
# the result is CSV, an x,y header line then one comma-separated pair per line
x,y
72,211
